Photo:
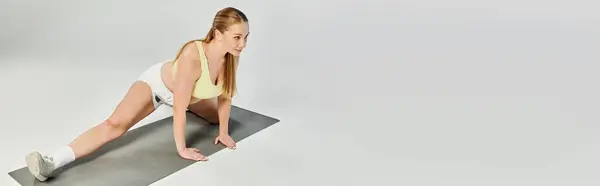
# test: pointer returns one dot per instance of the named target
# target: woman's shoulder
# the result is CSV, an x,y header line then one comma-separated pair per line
x,y
188,60
190,51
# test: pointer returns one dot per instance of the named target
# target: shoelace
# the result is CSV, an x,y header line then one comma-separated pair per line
x,y
50,158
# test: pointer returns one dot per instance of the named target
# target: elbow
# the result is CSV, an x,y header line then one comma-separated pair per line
x,y
224,98
180,104
223,103
179,108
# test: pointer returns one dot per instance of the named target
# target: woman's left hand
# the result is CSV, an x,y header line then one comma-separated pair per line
x,y
226,140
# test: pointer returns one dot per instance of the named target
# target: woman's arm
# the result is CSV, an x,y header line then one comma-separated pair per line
x,y
224,108
188,71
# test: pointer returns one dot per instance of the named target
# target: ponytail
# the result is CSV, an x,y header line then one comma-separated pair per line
x,y
229,84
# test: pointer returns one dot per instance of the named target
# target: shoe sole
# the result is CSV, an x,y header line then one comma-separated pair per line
x,y
33,161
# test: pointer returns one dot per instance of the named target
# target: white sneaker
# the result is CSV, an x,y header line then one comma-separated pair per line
x,y
40,166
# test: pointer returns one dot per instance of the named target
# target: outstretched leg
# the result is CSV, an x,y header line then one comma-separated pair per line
x,y
206,109
136,105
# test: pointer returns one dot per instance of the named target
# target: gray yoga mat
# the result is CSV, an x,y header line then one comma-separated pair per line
x,y
147,154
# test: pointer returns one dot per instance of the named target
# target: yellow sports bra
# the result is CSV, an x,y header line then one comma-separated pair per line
x,y
203,88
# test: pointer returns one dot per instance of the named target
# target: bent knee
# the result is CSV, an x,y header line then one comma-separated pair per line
x,y
114,128
211,116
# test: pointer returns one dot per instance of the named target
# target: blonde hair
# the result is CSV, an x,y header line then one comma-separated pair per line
x,y
223,19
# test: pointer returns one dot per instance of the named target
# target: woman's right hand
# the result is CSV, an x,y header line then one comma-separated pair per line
x,y
192,154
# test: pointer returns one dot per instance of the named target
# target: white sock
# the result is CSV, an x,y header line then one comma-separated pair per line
x,y
63,156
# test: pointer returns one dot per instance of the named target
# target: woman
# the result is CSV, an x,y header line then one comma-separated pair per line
x,y
201,79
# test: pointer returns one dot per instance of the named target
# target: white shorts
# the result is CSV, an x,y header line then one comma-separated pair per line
x,y
160,94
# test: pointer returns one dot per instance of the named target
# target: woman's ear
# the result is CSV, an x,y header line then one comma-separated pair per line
x,y
218,35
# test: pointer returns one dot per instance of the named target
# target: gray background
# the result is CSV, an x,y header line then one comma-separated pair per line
x,y
375,92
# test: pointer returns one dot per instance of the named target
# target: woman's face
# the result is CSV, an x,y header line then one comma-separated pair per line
x,y
235,38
